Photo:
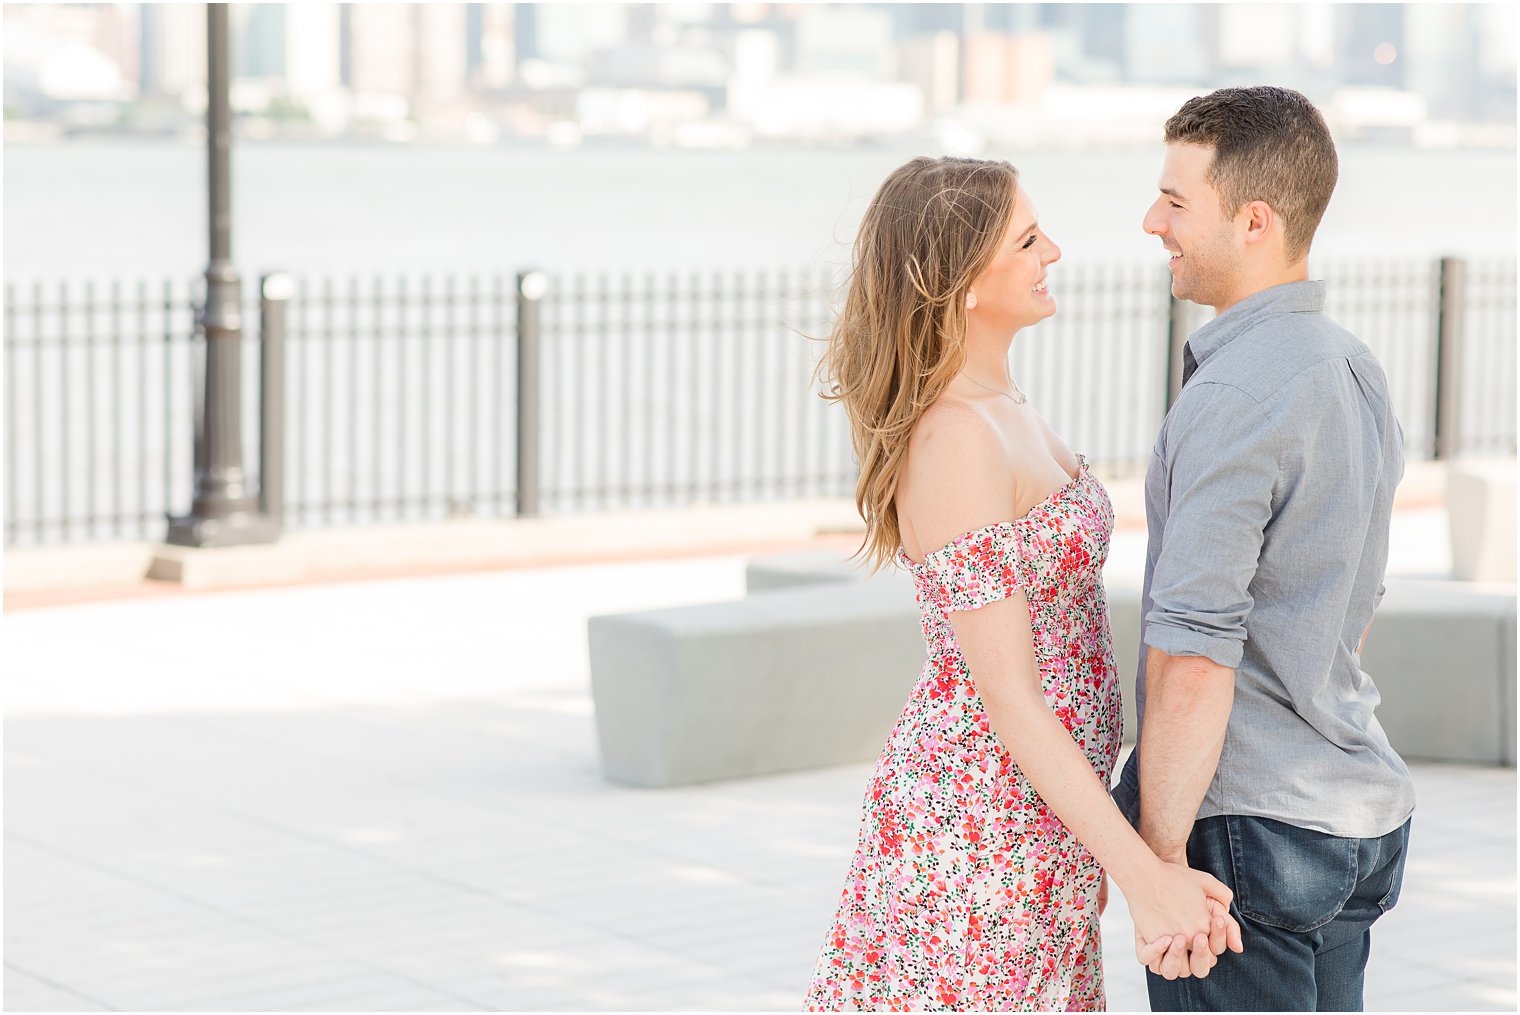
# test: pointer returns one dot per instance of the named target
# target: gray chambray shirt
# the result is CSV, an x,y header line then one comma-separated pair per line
x,y
1268,500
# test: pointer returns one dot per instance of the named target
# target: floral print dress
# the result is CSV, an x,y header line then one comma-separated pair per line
x,y
966,891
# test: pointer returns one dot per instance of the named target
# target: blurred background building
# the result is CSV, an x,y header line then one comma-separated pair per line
x,y
731,75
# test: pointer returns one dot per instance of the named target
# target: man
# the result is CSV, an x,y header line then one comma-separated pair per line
x,y
1268,501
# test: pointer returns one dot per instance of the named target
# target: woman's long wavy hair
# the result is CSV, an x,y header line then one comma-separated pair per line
x,y
931,229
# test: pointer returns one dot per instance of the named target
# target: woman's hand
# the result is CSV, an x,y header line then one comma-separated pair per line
x,y
1103,894
1172,957
1180,916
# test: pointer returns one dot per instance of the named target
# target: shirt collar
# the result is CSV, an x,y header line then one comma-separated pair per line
x,y
1288,298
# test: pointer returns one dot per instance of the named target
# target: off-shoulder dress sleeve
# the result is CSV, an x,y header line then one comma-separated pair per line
x,y
974,569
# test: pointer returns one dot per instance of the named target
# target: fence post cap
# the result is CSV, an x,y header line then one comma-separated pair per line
x,y
533,285
277,285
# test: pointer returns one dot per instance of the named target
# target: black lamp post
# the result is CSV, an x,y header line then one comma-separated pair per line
x,y
224,511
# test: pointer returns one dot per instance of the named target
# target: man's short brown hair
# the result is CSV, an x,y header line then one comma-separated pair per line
x,y
1270,144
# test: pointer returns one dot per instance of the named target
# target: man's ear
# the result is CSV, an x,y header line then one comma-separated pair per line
x,y
1259,219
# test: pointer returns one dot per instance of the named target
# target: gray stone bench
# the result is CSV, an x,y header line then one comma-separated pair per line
x,y
1443,657
814,666
1441,653
784,680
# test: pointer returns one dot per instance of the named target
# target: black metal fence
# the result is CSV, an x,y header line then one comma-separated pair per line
x,y
399,400
665,389
97,404
403,400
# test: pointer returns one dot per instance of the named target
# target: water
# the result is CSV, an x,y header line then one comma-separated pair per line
x,y
130,208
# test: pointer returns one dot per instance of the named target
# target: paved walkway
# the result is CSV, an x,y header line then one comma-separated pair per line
x,y
385,796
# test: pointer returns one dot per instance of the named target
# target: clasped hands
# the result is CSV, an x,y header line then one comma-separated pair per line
x,y
1182,921
1175,955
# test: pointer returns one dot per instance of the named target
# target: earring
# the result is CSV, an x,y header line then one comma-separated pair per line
x,y
971,301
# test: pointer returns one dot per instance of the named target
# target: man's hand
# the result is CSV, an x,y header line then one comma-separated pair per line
x,y
1173,956
1226,933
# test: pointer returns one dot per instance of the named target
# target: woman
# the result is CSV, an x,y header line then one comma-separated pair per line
x,y
987,825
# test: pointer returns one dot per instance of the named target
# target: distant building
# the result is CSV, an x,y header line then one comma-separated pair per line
x,y
706,74
1498,28
1370,38
1434,31
932,61
1102,28
313,50
845,40
114,31
1256,39
381,57
57,54
571,33
258,40
491,49
910,20
441,75
524,32
1002,68
1087,41
1169,43
172,48
407,62
830,109
756,61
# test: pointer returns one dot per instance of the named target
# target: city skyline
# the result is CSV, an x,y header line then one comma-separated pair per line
x,y
728,76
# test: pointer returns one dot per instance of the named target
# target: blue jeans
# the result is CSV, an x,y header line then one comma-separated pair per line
x,y
1306,902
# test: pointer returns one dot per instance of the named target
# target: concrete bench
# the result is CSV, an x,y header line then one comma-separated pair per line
x,y
1443,657
780,681
815,567
1442,653
813,669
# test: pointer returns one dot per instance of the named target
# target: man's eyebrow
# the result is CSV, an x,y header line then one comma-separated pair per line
x,y
1170,192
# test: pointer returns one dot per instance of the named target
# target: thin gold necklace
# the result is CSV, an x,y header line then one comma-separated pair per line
x,y
1018,399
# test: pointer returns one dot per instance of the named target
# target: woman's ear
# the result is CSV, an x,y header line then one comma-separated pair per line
x,y
970,300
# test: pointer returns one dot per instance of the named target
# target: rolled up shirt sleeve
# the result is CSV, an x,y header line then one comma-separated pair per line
x,y
1223,461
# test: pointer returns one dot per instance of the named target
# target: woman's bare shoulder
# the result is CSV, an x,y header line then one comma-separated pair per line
x,y
953,422
957,476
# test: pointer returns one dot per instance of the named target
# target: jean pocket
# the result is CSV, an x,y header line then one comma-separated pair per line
x,y
1397,843
1290,877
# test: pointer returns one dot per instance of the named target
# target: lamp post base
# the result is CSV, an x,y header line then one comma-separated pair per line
x,y
237,529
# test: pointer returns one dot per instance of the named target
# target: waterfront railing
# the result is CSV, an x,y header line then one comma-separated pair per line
x,y
403,398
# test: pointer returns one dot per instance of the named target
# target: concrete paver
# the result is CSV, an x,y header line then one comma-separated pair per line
x,y
385,796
